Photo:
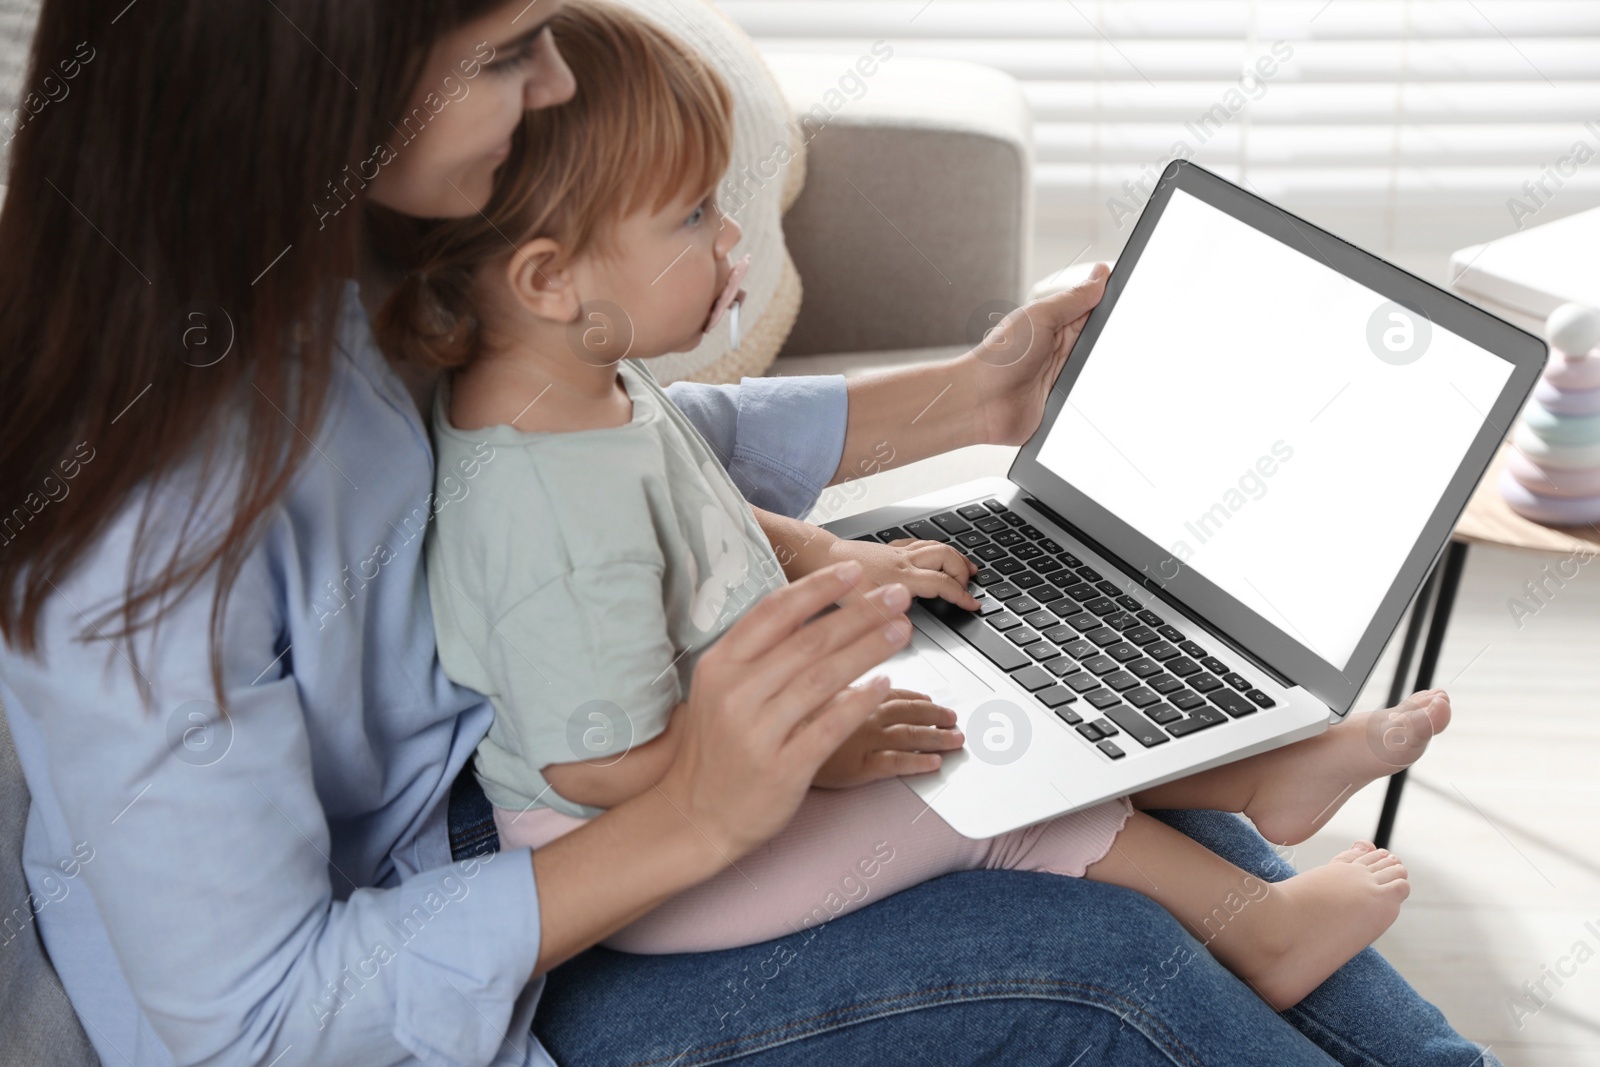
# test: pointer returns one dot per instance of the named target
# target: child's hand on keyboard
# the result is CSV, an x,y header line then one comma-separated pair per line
x,y
905,735
927,568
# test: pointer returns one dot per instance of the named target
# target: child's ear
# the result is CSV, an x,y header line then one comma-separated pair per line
x,y
540,287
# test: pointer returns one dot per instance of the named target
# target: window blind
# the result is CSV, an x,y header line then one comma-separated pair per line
x,y
1400,124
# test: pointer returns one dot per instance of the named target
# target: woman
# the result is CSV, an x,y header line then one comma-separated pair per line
x,y
252,795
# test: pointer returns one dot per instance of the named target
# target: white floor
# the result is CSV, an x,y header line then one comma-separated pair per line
x,y
1499,824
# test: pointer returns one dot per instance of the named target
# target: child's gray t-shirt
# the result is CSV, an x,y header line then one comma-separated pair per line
x,y
577,577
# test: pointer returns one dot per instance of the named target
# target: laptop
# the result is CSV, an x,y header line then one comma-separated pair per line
x,y
1253,456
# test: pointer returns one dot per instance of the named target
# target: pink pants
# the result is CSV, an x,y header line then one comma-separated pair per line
x,y
843,848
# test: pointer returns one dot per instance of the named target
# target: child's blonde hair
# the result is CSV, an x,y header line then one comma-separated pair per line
x,y
650,120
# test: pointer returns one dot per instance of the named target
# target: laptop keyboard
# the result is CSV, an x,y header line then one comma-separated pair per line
x,y
1106,664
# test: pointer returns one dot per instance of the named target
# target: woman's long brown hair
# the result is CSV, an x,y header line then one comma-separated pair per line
x,y
175,170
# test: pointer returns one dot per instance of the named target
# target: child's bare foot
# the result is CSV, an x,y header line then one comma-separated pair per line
x,y
1310,780
1318,922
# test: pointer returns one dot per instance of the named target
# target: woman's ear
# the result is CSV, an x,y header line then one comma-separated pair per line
x,y
539,286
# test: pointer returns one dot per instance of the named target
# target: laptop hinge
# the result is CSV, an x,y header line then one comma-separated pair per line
x,y
1156,588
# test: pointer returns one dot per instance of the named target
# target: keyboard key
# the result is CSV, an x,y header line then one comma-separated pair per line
x,y
1122,652
1046,565
1090,730
1260,698
1008,538
973,512
924,530
951,523
1120,680
1110,748
1165,683
1238,681
1122,620
1027,580
988,605
1040,620
1081,682
1186,700
987,577
1013,519
1008,566
1061,634
1142,635
1109,588
1003,621
1023,605
1100,664
1031,532
990,553
1232,703
1203,716
1183,666
972,539
1214,665
1027,553
1101,605
1101,698
893,533
1069,559
1001,590
1027,635
1143,667
1132,603
995,506
1082,591
1053,548
996,649
1090,573
1041,650
1140,697
1066,714
1045,592
1081,648
1160,650
1162,713
1204,683
1106,729
1083,620
1103,636
1061,665
865,537
1193,650
1171,633
1150,618
992,525
1033,678
1136,726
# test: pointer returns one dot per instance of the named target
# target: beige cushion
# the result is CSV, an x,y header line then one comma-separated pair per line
x,y
762,137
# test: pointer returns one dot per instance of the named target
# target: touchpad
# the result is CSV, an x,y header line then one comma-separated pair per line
x,y
926,668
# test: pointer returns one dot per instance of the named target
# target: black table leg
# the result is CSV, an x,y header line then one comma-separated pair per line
x,y
1455,560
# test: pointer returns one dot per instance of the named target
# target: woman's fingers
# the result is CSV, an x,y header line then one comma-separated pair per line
x,y
915,709
818,736
784,610
802,679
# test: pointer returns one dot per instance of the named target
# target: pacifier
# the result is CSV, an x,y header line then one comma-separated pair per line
x,y
730,301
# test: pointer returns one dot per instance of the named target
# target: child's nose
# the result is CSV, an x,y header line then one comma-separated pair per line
x,y
728,235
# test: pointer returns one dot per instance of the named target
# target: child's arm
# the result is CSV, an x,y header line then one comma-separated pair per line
x,y
609,780
927,568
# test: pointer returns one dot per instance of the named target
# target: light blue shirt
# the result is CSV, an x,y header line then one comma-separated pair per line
x,y
279,883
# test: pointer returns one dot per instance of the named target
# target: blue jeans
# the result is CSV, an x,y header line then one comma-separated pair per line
x,y
985,967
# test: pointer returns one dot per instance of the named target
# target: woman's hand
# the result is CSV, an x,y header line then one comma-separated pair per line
x,y
772,700
904,735
1017,363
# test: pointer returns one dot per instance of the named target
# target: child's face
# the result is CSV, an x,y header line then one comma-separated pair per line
x,y
665,272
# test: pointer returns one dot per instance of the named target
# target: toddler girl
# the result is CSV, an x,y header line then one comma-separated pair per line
x,y
601,548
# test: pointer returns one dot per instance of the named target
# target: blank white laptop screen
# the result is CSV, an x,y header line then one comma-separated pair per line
x,y
1268,422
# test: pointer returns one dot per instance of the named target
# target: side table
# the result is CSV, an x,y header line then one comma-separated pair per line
x,y
1487,520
